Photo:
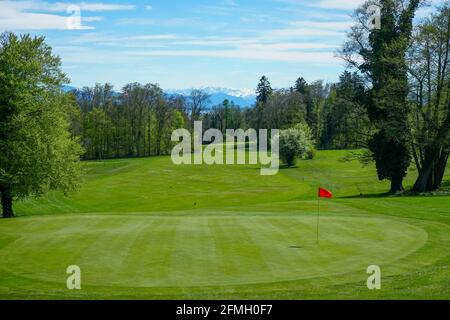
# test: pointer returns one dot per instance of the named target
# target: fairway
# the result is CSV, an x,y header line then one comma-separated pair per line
x,y
145,228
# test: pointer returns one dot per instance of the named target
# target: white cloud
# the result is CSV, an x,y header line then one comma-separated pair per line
x,y
230,3
19,15
324,25
135,21
262,53
305,28
337,4
304,32
154,37
291,46
221,8
105,7
247,48
162,46
36,21
91,19
84,6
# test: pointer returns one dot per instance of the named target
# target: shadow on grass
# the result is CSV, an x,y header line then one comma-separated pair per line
x,y
444,192
285,167
282,167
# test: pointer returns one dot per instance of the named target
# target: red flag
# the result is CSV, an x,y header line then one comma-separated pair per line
x,y
323,193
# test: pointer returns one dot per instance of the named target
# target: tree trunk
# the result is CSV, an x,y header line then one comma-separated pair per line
x,y
149,134
7,201
435,161
423,180
440,170
396,185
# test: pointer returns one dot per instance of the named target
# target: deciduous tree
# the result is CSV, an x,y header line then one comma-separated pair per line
x,y
37,151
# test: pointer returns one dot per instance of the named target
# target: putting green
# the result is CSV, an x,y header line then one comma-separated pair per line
x,y
186,251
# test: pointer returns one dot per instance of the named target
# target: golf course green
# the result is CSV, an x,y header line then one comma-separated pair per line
x,y
147,229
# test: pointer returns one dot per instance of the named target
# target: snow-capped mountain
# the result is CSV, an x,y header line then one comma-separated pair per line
x,y
241,97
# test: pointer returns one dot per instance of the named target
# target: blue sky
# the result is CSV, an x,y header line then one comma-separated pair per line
x,y
190,43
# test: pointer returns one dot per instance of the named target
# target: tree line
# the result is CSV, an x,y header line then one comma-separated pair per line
x,y
138,120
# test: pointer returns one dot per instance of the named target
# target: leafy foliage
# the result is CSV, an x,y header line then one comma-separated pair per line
x,y
37,151
296,143
346,123
138,121
381,56
428,60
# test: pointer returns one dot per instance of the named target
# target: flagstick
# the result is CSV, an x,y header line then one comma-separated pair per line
x,y
318,216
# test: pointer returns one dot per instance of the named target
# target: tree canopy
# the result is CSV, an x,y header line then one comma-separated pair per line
x,y
37,151
380,54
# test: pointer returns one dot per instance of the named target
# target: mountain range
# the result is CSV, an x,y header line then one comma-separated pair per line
x,y
240,97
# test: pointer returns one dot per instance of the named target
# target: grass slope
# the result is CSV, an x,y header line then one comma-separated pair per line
x,y
144,228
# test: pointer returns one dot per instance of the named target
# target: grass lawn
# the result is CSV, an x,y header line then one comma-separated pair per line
x,y
147,229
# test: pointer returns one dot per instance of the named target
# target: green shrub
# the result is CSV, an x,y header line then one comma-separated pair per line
x,y
296,143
